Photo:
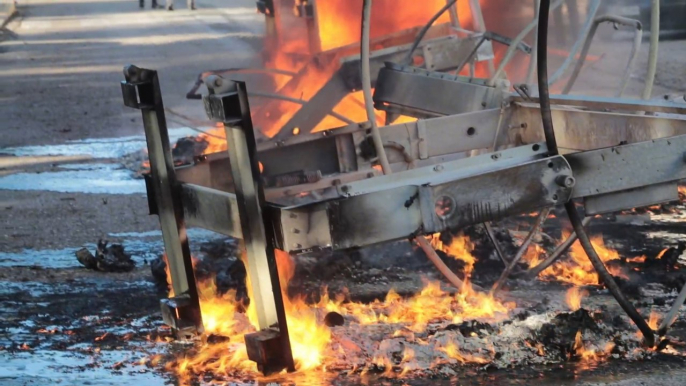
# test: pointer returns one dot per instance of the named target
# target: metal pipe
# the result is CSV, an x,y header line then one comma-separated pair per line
x,y
589,39
532,58
562,248
509,54
434,258
673,312
593,9
447,273
496,245
480,26
638,37
654,41
522,249
454,17
367,86
425,29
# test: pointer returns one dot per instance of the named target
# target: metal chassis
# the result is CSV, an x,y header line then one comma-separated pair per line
x,y
353,206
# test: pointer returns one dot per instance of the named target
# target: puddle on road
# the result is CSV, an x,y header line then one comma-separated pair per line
x,y
142,246
115,147
98,178
80,178
50,367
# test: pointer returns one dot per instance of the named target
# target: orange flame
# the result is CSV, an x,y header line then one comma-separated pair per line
x,y
577,269
310,339
574,297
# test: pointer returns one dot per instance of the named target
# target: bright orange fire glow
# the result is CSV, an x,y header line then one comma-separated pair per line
x,y
453,352
310,338
574,297
460,248
577,269
589,356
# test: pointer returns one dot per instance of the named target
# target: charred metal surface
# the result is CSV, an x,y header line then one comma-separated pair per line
x,y
179,313
211,209
373,218
630,166
633,198
577,129
264,348
228,103
424,94
495,195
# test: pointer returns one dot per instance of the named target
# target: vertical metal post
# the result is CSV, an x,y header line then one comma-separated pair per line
x,y
480,26
228,103
141,90
454,18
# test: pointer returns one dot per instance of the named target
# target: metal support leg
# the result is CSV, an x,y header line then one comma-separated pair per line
x,y
141,90
494,241
270,347
522,249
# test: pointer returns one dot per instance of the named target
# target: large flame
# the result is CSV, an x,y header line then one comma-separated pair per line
x,y
310,338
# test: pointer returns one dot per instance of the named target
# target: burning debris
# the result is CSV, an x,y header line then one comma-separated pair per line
x,y
110,258
433,333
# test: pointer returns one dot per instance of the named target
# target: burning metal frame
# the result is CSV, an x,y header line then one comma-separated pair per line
x,y
475,155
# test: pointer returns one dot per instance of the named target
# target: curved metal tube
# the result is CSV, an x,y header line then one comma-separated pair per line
x,y
425,29
367,86
589,39
572,213
654,40
509,54
593,9
532,58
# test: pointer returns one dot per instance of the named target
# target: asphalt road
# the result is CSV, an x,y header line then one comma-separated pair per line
x,y
59,80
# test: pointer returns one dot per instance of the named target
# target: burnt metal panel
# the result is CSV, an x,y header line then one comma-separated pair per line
x,y
628,166
320,154
634,198
373,218
495,195
211,209
588,130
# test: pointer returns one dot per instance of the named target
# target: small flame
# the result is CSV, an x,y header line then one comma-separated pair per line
x,y
574,297
453,352
577,269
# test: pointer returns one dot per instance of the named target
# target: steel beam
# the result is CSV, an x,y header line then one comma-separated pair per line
x,y
228,103
141,90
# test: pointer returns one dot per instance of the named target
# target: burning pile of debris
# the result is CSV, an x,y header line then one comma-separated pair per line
x,y
437,332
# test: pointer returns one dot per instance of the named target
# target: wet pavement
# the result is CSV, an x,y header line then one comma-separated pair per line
x,y
63,187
